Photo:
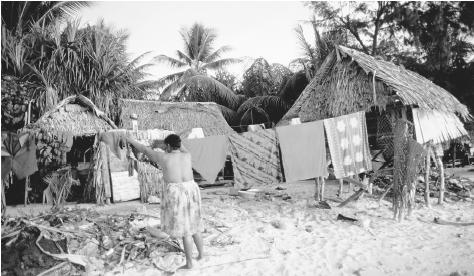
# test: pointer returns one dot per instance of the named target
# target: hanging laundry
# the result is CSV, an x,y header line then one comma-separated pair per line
x,y
255,158
24,162
348,144
10,146
207,155
6,166
303,151
115,139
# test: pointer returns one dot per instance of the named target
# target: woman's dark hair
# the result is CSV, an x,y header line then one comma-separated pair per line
x,y
174,141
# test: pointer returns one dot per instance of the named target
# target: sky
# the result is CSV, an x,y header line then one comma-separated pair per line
x,y
252,29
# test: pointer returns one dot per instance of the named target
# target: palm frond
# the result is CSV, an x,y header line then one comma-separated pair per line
x,y
171,91
184,57
274,106
218,64
304,44
254,115
63,8
169,78
171,61
217,54
206,89
230,115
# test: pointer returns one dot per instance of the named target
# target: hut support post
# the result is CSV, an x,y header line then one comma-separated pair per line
x,y
321,194
27,189
369,184
317,192
341,186
454,155
427,179
442,184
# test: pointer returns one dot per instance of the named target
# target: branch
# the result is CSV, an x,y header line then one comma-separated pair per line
x,y
354,32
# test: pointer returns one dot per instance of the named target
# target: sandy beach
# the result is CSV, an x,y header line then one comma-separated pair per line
x,y
270,236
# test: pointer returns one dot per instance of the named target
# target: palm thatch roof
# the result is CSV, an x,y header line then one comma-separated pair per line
x,y
174,116
350,81
75,114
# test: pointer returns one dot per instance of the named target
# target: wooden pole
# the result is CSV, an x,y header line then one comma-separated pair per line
x,y
316,194
427,178
442,184
454,155
27,187
341,186
323,183
369,184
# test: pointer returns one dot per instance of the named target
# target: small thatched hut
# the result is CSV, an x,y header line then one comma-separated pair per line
x,y
66,141
350,81
174,116
76,115
399,104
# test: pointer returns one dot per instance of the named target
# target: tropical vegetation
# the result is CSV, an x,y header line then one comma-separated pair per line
x,y
57,58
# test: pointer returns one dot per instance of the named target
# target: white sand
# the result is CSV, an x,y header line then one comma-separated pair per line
x,y
334,247
241,240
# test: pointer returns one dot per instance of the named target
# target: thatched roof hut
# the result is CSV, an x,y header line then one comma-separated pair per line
x,y
350,81
344,84
76,115
174,116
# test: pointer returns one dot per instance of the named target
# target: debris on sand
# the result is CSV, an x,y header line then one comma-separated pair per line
x,y
82,238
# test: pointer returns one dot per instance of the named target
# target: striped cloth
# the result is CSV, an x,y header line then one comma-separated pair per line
x,y
348,144
255,158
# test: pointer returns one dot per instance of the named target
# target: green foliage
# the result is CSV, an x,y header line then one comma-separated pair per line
x,y
201,88
19,16
227,79
91,61
273,108
262,79
430,38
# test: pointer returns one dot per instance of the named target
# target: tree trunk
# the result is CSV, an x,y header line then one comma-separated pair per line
x,y
441,184
427,179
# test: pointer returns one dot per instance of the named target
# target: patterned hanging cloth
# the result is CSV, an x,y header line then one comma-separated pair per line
x,y
255,158
348,144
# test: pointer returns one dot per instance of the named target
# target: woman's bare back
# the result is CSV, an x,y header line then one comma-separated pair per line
x,y
177,167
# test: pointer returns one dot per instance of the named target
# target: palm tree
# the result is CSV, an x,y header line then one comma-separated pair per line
x,y
19,16
197,57
91,61
313,56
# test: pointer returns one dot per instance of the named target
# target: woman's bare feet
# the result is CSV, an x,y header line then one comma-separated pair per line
x,y
154,232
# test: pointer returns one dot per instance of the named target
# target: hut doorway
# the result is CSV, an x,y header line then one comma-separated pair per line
x,y
80,157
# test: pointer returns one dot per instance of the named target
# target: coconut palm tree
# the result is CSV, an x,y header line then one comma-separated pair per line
x,y
197,57
313,56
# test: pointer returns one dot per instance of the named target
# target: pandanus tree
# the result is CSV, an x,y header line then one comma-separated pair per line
x,y
63,61
196,58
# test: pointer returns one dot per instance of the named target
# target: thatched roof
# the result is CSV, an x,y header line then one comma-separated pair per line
x,y
344,84
75,114
174,116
